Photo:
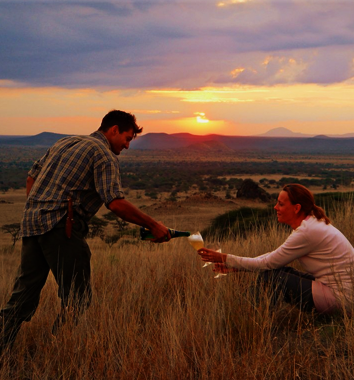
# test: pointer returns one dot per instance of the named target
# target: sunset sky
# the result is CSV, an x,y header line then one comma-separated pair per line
x,y
233,67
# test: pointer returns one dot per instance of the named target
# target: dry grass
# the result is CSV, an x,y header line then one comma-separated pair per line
x,y
156,314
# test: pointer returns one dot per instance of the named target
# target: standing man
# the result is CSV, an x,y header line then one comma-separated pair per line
x,y
65,188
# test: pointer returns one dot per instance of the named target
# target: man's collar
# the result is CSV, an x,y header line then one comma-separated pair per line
x,y
101,136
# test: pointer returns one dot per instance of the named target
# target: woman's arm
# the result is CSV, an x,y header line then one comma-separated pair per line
x,y
296,246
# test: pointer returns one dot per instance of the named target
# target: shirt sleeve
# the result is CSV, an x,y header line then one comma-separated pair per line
x,y
38,165
295,246
107,181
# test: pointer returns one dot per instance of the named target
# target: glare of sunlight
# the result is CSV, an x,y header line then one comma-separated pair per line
x,y
201,117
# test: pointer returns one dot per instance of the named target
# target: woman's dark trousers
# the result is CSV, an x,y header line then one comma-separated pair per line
x,y
289,285
69,261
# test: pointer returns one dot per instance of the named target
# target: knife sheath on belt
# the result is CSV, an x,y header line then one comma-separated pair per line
x,y
69,219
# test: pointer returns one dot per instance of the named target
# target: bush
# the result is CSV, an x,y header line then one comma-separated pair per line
x,y
238,222
96,227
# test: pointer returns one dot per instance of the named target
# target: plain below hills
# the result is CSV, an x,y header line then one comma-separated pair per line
x,y
211,143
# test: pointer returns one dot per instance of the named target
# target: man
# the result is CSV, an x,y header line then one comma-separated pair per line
x,y
65,188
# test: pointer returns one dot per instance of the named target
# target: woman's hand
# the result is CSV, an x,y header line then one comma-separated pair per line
x,y
211,256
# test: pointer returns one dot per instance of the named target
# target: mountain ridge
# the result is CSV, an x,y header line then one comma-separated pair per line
x,y
44,139
213,143
285,132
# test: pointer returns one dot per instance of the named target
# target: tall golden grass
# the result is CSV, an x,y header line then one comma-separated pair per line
x,y
157,314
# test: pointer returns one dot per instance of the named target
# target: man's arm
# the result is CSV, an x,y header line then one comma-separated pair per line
x,y
128,212
29,184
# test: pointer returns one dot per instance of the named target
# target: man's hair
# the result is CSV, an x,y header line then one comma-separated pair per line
x,y
125,121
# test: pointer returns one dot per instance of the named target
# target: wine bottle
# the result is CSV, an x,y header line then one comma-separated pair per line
x,y
146,234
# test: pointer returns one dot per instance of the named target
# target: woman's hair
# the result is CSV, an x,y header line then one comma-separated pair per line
x,y
299,194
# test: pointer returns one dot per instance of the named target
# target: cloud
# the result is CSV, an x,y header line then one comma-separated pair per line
x,y
322,66
186,44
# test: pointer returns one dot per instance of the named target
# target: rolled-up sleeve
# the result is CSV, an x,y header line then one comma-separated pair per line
x,y
107,181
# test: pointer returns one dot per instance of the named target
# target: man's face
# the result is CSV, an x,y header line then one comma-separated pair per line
x,y
120,141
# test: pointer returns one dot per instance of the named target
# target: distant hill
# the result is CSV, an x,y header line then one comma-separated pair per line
x,y
283,132
213,143
6,137
321,137
170,141
308,145
346,135
160,141
45,139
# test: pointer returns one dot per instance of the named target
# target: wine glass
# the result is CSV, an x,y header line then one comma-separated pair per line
x,y
196,241
215,247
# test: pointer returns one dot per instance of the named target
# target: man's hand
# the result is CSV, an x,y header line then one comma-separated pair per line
x,y
211,256
161,233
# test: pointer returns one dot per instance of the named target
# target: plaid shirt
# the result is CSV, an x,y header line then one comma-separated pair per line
x,y
82,167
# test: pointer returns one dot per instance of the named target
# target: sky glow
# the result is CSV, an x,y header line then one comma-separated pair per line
x,y
228,67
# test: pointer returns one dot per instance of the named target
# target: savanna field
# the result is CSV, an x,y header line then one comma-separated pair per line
x,y
157,314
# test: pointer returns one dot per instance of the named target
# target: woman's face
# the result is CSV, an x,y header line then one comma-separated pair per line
x,y
286,212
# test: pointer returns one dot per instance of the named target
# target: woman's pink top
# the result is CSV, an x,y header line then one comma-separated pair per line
x,y
323,252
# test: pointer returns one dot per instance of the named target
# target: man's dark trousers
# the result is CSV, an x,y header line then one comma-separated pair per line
x,y
69,261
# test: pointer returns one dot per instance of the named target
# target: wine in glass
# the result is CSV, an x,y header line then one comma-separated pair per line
x,y
196,241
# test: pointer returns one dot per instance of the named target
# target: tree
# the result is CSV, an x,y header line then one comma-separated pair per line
x,y
96,227
112,217
14,230
121,229
4,188
110,240
173,196
151,194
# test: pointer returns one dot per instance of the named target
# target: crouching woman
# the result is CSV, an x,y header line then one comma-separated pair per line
x,y
325,254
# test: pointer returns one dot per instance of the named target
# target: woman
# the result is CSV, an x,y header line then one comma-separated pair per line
x,y
324,252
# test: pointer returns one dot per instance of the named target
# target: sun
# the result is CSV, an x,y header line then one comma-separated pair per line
x,y
201,117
